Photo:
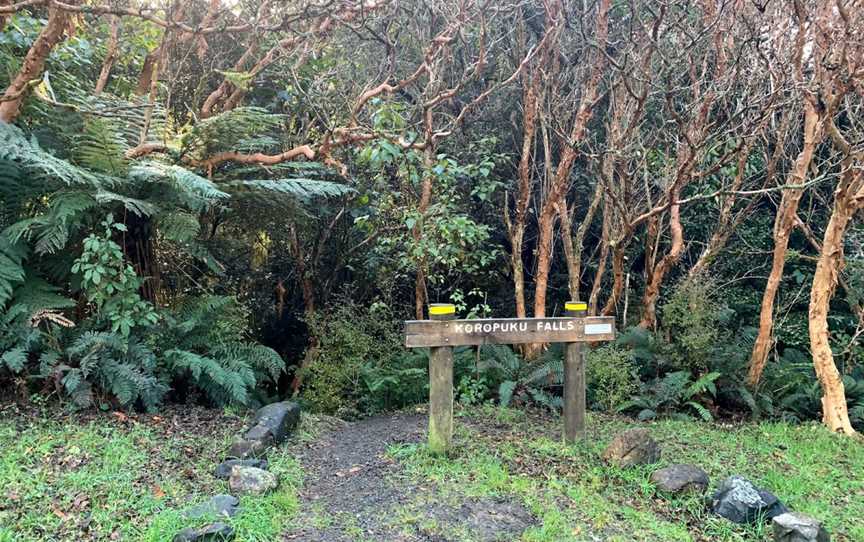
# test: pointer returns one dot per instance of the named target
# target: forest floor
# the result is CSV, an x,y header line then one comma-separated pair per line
x,y
122,477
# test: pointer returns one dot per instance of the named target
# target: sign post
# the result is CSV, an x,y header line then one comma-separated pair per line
x,y
441,386
442,332
574,380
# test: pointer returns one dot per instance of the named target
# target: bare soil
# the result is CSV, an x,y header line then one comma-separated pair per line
x,y
354,492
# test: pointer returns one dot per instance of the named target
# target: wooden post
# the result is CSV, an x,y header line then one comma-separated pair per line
x,y
441,386
574,380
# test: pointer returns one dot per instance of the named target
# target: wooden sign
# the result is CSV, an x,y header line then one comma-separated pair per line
x,y
441,333
427,333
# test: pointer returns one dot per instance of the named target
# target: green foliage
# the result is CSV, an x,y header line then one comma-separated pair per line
x,y
691,319
675,395
524,381
400,382
355,353
106,362
611,377
204,341
110,284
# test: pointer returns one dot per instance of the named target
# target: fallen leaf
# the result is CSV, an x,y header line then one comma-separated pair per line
x,y
157,492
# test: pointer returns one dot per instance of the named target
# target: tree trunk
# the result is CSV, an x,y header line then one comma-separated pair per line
x,y
573,247
604,257
834,410
139,249
4,18
517,235
544,261
652,289
516,225
619,252
34,63
110,56
784,221
420,297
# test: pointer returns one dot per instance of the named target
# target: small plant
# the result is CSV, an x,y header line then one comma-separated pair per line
x,y
472,389
358,350
611,377
110,284
523,381
401,382
675,395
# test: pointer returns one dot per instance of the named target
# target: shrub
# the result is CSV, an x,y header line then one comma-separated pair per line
x,y
611,377
523,381
356,350
691,321
675,395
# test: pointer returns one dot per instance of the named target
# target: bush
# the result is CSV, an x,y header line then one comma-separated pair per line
x,y
691,323
356,350
611,377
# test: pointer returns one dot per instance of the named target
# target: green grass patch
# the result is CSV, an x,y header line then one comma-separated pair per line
x,y
103,479
575,496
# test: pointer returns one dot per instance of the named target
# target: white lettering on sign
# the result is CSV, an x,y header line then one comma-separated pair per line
x,y
556,326
597,329
495,327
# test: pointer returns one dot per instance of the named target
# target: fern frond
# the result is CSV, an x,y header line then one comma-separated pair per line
x,y
196,192
12,257
303,190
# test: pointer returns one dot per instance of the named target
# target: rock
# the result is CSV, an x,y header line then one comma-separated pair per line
x,y
272,425
793,527
243,448
739,501
251,480
215,532
223,470
680,478
218,506
279,418
632,447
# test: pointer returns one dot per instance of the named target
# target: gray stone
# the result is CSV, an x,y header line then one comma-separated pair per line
x,y
279,418
632,447
223,470
793,527
215,532
243,448
680,478
218,506
272,425
251,480
739,501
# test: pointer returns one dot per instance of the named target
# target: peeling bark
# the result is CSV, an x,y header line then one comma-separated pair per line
x,y
848,199
110,56
784,222
34,63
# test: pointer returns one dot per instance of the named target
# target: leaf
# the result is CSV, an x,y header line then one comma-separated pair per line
x,y
646,414
15,359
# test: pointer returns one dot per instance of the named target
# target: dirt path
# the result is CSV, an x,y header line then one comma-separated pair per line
x,y
353,492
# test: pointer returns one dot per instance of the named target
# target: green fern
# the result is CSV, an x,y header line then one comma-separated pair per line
x,y
300,189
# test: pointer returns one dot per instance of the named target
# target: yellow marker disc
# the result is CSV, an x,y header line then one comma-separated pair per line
x,y
438,310
576,306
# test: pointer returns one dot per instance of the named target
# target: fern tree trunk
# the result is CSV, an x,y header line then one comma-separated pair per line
x,y
140,251
34,63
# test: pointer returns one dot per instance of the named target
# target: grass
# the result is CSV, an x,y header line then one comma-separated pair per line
x,y
107,477
575,496
118,478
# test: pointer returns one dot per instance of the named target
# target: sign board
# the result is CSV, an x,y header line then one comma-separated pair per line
x,y
432,333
